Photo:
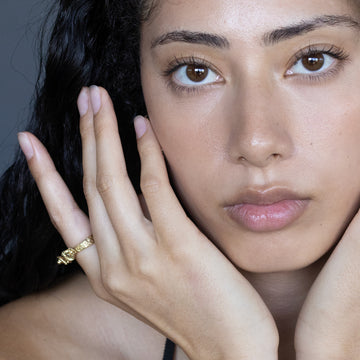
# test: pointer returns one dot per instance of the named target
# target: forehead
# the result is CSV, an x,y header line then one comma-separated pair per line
x,y
245,17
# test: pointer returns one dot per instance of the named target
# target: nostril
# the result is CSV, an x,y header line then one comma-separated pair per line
x,y
274,156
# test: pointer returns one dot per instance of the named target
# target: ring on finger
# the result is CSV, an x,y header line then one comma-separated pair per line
x,y
69,255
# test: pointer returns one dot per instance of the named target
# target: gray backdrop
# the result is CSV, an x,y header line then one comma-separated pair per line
x,y
19,24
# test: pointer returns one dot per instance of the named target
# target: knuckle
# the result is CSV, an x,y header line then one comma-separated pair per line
x,y
146,148
86,128
57,218
99,290
120,284
101,293
89,187
43,174
105,183
150,183
144,270
141,265
112,283
101,130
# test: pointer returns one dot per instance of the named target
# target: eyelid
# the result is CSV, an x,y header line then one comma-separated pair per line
x,y
331,50
179,62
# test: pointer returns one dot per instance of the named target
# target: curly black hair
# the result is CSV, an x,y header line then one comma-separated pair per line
x,y
92,42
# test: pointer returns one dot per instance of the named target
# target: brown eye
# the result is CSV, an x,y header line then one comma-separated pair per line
x,y
313,62
197,73
192,75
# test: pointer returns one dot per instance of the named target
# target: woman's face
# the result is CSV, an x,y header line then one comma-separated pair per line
x,y
256,106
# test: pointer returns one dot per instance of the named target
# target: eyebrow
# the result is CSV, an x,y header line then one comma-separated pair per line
x,y
288,32
192,37
270,38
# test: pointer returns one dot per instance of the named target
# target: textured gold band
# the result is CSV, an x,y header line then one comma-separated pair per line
x,y
69,255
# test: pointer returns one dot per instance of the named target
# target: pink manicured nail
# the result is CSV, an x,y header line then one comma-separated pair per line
x,y
83,101
140,126
25,145
95,98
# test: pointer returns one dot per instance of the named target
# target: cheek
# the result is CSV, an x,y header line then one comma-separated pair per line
x,y
188,150
329,137
328,133
183,129
182,124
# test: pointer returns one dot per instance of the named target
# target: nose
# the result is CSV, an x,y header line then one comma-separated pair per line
x,y
260,131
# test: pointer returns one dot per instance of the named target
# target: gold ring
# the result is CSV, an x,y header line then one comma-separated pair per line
x,y
69,255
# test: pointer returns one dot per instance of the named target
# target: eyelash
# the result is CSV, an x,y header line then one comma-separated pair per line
x,y
177,63
334,52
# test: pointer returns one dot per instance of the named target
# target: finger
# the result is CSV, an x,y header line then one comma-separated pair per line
x,y
165,210
107,245
112,181
72,224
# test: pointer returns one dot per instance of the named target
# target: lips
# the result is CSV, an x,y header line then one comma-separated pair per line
x,y
268,210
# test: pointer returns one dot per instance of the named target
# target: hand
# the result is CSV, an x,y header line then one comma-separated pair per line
x,y
329,322
164,271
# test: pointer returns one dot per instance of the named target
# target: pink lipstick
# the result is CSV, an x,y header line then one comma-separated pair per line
x,y
269,210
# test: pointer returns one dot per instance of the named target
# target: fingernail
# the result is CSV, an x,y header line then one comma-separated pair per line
x,y
25,145
83,101
95,99
140,126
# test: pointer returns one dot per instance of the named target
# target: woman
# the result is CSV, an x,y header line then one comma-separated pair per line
x,y
254,105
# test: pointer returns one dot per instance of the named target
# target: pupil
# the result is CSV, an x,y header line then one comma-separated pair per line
x,y
313,62
197,73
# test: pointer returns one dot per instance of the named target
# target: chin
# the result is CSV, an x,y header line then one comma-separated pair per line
x,y
271,254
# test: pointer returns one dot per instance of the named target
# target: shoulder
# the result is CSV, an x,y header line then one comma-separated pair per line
x,y
69,321
13,343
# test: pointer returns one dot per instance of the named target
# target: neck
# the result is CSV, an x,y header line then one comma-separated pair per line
x,y
284,294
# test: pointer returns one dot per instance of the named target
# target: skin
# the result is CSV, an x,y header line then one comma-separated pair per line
x,y
273,292
254,112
